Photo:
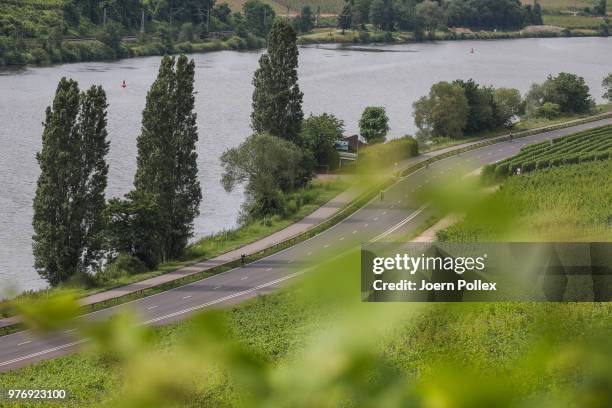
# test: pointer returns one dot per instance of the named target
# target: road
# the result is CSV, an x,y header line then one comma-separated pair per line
x,y
399,213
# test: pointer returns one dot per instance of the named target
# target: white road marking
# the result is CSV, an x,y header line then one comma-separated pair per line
x,y
341,238
291,260
355,231
69,330
391,207
309,253
268,270
384,213
212,302
399,201
326,246
400,224
217,287
152,307
375,218
186,297
244,278
24,343
365,225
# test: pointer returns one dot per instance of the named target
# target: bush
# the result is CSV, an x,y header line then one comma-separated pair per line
x,y
571,159
548,110
381,155
528,166
543,164
121,266
502,171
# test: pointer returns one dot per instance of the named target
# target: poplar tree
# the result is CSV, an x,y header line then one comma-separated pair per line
x,y
167,160
277,99
345,18
69,196
89,200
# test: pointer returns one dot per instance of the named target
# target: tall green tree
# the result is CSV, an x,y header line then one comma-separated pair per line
x,y
607,86
89,200
277,99
69,197
320,133
270,167
443,112
374,124
601,8
167,159
431,16
345,18
259,17
481,106
382,14
305,21
537,14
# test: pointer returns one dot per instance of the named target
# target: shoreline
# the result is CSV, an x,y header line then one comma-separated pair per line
x,y
351,38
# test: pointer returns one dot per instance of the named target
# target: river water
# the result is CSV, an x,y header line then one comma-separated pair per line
x,y
339,81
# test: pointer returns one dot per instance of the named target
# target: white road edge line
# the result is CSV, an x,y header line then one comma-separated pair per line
x,y
40,353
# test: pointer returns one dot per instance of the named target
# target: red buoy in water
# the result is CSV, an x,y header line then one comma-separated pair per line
x,y
123,84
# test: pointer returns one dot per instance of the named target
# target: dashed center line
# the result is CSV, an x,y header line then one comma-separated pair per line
x,y
24,343
354,232
384,213
391,207
341,238
244,278
186,297
268,270
217,287
291,260
326,246
69,330
152,307
309,253
365,225
375,218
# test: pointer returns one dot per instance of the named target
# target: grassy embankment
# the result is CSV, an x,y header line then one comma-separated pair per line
x,y
207,247
504,354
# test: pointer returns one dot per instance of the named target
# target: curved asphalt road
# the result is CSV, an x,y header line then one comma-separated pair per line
x,y
397,214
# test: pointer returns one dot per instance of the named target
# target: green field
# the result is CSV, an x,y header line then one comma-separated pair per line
x,y
578,22
558,5
591,145
567,203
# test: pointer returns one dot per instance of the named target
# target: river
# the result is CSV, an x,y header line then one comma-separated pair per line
x,y
335,80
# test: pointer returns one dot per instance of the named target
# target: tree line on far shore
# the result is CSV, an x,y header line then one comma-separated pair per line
x,y
452,110
423,17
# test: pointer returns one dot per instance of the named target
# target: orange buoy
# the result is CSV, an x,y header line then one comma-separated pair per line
x,y
123,84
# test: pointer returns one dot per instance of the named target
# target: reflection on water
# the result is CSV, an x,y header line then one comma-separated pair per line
x,y
342,83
